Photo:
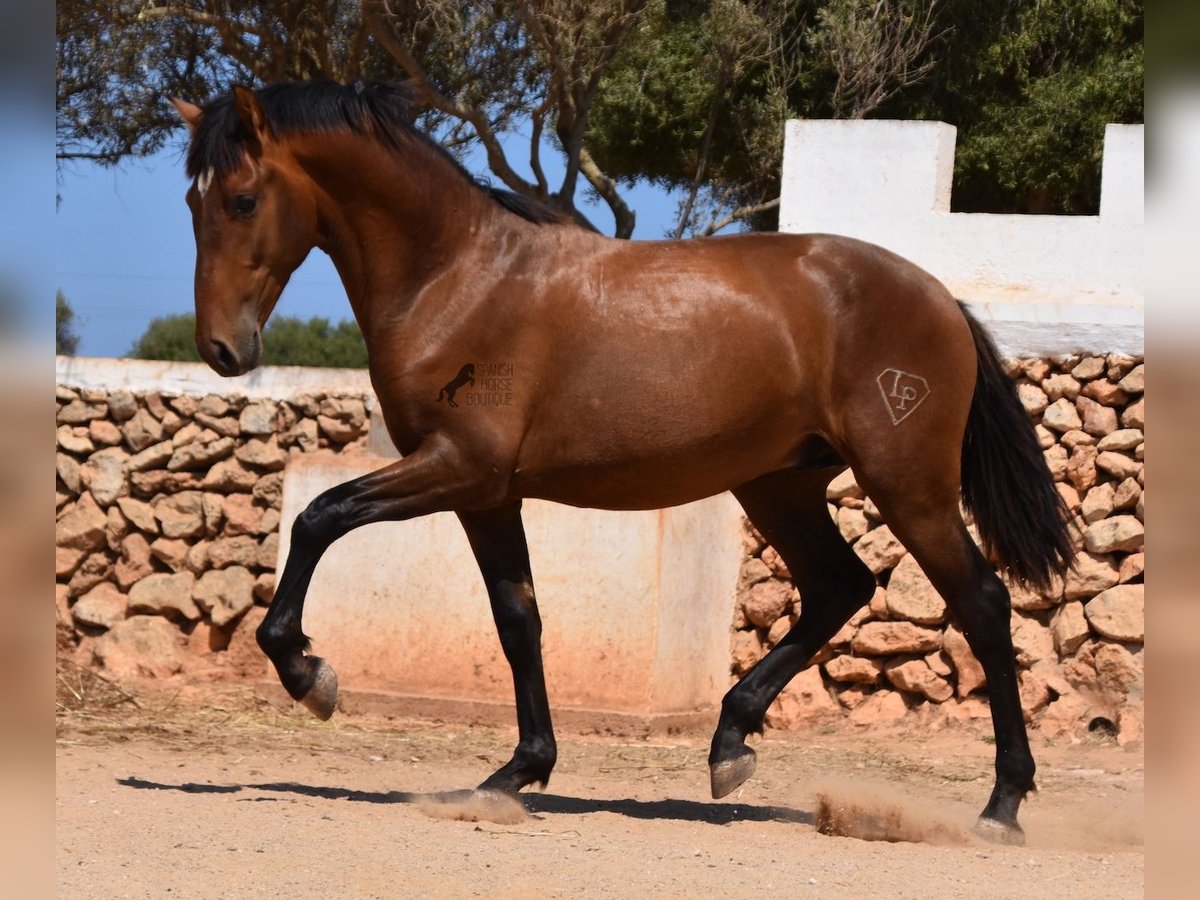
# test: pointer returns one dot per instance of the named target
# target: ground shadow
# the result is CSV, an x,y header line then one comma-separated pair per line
x,y
535,804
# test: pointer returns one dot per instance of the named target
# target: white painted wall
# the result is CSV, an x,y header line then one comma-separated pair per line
x,y
1045,284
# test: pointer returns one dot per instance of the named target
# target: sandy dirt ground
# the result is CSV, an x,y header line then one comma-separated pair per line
x,y
208,791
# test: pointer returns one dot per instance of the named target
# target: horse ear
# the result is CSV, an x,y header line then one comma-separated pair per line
x,y
250,112
189,112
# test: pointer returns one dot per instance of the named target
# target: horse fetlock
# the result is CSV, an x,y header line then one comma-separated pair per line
x,y
321,698
996,832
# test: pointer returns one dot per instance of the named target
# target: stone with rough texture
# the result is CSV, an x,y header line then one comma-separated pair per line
x,y
1127,494
767,601
1105,392
1134,415
915,677
1045,436
153,457
1034,693
172,552
134,563
1081,468
1116,534
1092,574
122,405
969,674
1032,641
84,527
1119,613
225,594
1135,381
1060,385
104,475
1090,367
854,669
746,650
140,513
1133,566
910,595
104,432
234,551
140,646
1098,504
1069,628
889,638
1119,672
879,549
159,481
804,699
67,560
80,412
1069,495
94,569
181,515
268,551
212,405
1033,398
1077,438
68,439
852,523
225,426
191,457
1056,462
230,476
1118,465
337,430
1061,416
264,587
142,431
1097,419
165,595
752,572
1123,440
68,469
101,607
262,454
258,418
774,562
882,706
268,490
842,487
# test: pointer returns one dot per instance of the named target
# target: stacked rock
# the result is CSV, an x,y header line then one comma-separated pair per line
x,y
1079,646
167,513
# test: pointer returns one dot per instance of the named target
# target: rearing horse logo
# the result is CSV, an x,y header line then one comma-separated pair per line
x,y
466,375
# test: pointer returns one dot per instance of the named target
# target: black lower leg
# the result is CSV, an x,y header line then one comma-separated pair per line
x,y
498,540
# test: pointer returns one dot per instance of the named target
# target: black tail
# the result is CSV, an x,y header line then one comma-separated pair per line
x,y
1005,483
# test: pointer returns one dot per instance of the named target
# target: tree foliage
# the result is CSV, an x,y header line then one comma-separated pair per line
x,y
66,341
287,341
689,94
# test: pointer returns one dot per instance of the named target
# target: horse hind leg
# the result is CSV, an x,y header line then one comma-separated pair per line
x,y
922,511
789,510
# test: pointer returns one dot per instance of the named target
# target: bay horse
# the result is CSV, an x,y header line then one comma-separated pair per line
x,y
643,375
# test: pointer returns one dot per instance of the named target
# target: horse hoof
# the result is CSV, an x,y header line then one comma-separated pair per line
x,y
322,697
996,832
730,774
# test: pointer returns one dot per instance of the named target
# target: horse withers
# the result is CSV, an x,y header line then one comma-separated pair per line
x,y
638,375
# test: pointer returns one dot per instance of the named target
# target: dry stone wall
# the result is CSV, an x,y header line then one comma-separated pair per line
x,y
1080,647
167,519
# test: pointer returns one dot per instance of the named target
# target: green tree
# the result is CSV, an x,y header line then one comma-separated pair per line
x,y
689,94
287,341
66,341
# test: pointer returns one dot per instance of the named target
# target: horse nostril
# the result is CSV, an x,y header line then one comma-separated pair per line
x,y
225,358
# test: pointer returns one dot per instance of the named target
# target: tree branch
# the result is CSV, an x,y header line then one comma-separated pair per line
x,y
742,212
607,188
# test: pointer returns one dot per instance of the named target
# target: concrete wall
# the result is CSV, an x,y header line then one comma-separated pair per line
x,y
1047,285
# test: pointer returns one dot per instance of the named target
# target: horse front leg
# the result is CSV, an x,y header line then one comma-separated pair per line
x,y
497,538
432,479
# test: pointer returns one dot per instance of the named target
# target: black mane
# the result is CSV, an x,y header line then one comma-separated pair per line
x,y
379,109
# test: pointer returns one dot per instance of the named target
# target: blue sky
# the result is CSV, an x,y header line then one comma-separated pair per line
x,y
124,252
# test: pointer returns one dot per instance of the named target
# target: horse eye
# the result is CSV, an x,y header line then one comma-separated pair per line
x,y
244,204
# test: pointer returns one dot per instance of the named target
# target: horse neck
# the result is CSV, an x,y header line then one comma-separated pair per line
x,y
389,221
